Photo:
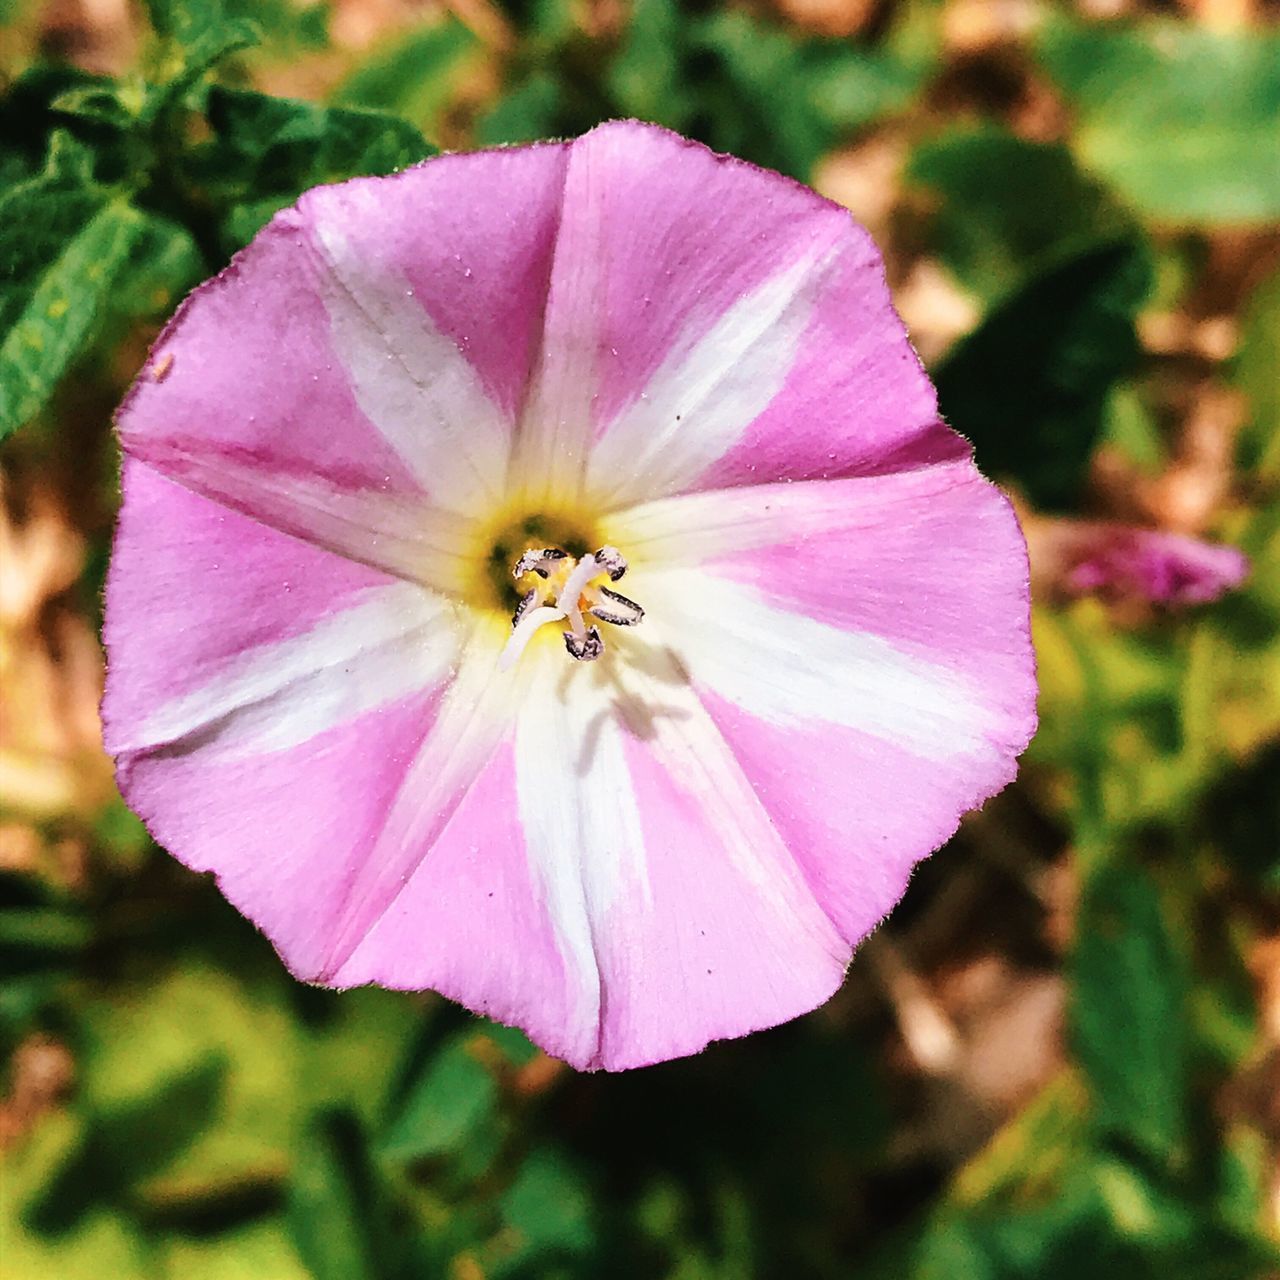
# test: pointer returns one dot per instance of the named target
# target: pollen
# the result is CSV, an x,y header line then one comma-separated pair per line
x,y
560,588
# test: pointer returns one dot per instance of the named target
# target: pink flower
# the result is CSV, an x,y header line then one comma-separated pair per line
x,y
620,350
1086,557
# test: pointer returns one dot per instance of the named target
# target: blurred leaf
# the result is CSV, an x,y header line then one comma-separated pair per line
x,y
1129,1011
140,1038
106,103
38,216
513,1043
549,1208
1007,207
528,112
200,35
1029,385
1130,428
646,77
758,109
851,87
36,936
1031,1151
62,311
340,1215
130,1142
1181,119
1256,375
103,1244
412,76
259,1250
346,1060
453,1097
276,148
164,264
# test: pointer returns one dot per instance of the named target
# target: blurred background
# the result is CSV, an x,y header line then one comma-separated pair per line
x,y
1061,1056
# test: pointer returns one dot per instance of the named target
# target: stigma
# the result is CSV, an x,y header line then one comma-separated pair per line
x,y
567,590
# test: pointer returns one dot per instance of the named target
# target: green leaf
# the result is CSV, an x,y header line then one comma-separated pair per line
x,y
340,1213
756,108
413,76
61,314
444,1108
1029,385
40,216
270,150
852,87
260,1248
1008,207
549,1207
198,34
1181,119
1128,1011
1256,374
528,112
165,263
106,103
141,1038
646,78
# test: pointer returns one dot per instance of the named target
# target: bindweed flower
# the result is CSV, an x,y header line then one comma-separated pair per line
x,y
1100,557
543,577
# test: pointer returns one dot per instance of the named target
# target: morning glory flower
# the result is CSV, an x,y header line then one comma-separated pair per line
x,y
543,576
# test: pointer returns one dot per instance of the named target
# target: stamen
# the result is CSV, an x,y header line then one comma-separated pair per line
x,y
611,561
615,608
585,648
564,594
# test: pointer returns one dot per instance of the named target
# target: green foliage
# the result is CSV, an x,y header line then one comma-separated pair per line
x,y
1130,1023
1029,386
1007,208
116,204
412,77
446,1108
67,301
1256,370
1181,121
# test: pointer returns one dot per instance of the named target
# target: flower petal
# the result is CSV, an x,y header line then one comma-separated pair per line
x,y
263,703
712,323
625,896
360,365
865,650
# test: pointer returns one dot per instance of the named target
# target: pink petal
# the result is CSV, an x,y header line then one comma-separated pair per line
x,y
710,323
263,699
610,883
366,352
1115,559
863,645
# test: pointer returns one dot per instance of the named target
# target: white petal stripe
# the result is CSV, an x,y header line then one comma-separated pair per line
x,y
409,379
785,667
708,390
579,812
393,641
404,537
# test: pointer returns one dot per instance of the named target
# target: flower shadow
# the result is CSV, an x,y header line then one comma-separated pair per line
x,y
638,714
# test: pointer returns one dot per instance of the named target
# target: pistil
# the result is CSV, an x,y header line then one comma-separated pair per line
x,y
565,589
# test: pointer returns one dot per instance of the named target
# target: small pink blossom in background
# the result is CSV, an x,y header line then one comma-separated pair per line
x,y
635,822
1082,557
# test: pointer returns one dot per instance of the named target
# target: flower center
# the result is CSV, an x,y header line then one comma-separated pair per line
x,y
558,587
503,545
